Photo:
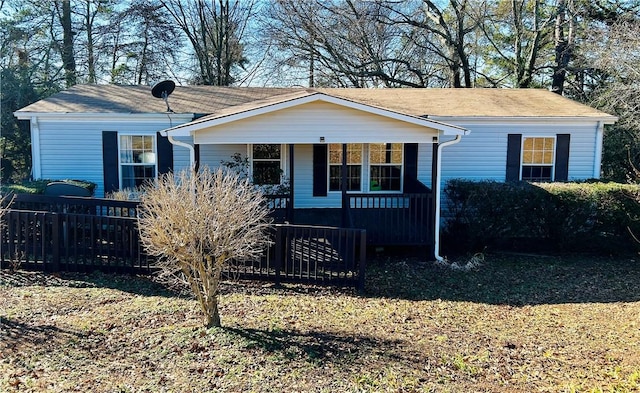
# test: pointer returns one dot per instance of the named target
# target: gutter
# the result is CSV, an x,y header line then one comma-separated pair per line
x,y
436,231
192,150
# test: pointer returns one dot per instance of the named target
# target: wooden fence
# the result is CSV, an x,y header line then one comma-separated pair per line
x,y
393,219
320,255
85,234
51,241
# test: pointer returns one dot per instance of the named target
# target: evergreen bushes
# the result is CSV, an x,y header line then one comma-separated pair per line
x,y
541,217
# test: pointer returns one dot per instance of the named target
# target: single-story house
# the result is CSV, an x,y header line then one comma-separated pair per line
x,y
371,158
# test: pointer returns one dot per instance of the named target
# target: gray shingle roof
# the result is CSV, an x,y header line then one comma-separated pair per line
x,y
415,102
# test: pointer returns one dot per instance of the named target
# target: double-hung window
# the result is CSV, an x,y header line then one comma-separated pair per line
x,y
137,160
385,167
538,158
354,167
266,162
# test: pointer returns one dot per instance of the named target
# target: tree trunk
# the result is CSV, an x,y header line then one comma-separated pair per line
x,y
212,319
68,59
563,46
91,60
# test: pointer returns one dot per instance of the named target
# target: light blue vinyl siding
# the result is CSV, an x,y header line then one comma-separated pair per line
x,y
482,154
73,149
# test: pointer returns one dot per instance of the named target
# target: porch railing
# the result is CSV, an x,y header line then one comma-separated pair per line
x,y
280,206
52,241
63,240
393,219
319,255
75,205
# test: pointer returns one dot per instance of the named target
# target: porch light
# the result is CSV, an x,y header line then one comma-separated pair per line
x,y
321,139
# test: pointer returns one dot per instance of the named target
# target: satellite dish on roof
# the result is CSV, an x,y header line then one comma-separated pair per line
x,y
162,90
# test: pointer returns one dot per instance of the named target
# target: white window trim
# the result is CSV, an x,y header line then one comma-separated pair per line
x,y
120,163
284,159
365,148
365,174
553,155
401,190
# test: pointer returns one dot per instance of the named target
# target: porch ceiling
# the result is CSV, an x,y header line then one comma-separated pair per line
x,y
312,118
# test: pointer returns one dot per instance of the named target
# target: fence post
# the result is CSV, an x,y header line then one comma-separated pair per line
x,y
55,241
362,265
279,253
5,237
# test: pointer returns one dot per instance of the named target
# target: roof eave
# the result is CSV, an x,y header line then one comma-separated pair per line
x,y
213,121
605,119
24,115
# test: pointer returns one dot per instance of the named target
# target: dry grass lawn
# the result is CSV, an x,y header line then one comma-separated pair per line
x,y
516,324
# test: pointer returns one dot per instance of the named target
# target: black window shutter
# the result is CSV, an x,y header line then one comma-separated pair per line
x,y
562,157
110,161
164,154
196,153
320,163
514,144
410,165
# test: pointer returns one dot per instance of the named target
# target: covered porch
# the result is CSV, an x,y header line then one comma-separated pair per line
x,y
339,163
399,212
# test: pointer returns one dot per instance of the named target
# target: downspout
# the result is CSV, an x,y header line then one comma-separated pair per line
x,y
36,162
597,165
192,150
192,161
436,231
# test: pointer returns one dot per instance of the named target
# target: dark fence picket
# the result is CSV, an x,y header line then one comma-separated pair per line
x,y
71,242
393,219
84,234
318,255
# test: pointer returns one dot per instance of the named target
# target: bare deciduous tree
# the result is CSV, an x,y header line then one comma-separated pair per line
x,y
216,32
195,223
518,33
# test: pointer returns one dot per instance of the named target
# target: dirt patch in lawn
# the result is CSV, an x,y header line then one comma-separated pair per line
x,y
514,324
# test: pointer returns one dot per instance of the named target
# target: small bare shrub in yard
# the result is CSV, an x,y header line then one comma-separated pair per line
x,y
195,223
474,262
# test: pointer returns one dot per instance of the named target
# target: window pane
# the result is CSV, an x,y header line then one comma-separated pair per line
x,y
354,153
396,156
385,178
335,153
354,176
376,153
266,172
134,176
536,173
538,151
138,149
137,160
261,152
537,157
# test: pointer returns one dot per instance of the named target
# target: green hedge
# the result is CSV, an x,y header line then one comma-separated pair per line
x,y
541,217
38,186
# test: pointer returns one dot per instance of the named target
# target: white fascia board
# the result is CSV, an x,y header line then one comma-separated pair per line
x,y
105,117
190,128
526,119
